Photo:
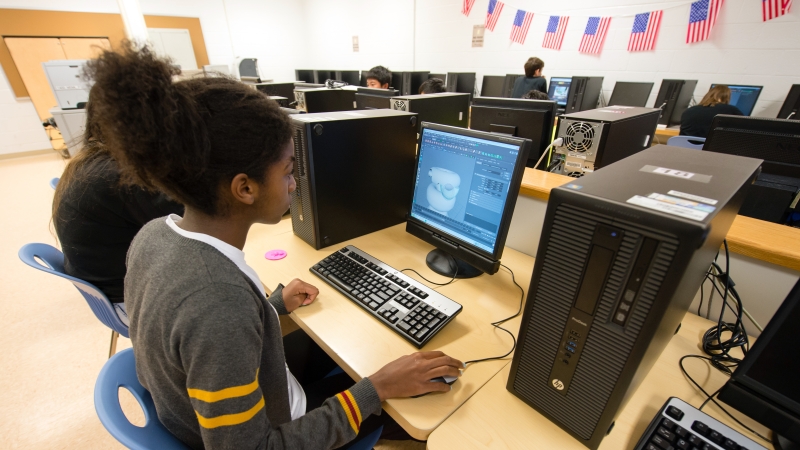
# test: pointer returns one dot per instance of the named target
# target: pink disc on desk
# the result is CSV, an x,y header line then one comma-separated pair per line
x,y
275,254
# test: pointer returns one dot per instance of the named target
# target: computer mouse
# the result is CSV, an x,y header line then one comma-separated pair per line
x,y
444,379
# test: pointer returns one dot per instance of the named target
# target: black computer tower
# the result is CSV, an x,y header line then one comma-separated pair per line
x,y
674,97
584,93
325,100
446,108
791,106
508,85
596,138
354,173
622,254
408,83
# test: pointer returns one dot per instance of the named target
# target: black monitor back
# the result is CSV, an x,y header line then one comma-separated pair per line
x,y
508,84
627,93
463,82
363,78
350,77
673,98
408,83
367,98
529,119
277,89
326,100
492,85
791,106
307,76
584,93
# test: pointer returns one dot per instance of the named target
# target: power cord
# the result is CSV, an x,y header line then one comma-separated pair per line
x,y
433,282
557,143
500,322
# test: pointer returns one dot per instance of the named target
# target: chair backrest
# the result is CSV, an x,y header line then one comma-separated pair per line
x,y
54,264
54,183
120,371
692,142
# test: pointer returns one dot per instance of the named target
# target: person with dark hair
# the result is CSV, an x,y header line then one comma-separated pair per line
x,y
379,77
96,217
696,121
535,95
432,86
207,339
533,79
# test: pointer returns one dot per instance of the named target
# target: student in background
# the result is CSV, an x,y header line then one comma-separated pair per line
x,y
696,121
379,77
535,95
96,216
533,79
207,339
432,86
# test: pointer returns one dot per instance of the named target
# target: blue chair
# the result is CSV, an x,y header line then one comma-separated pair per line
x,y
695,143
53,261
120,371
54,183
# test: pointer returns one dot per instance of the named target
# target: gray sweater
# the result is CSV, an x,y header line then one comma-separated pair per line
x,y
209,349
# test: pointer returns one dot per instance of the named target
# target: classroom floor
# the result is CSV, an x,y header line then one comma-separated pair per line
x,y
51,345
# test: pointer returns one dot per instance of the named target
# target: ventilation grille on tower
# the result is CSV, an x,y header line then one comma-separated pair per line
x,y
302,212
607,348
579,137
399,105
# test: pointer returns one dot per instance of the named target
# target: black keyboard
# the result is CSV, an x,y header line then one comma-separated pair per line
x,y
681,426
411,309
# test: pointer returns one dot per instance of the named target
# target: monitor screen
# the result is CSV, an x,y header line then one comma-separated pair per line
x,y
462,186
744,97
559,90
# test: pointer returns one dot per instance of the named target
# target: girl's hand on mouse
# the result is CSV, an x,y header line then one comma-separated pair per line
x,y
411,375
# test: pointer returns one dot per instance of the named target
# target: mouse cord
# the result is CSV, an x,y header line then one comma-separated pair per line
x,y
500,322
431,282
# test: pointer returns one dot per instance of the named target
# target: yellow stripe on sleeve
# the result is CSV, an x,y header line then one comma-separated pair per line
x,y
353,424
224,394
230,419
355,406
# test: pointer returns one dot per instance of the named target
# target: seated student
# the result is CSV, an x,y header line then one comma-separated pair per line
x,y
206,338
96,217
696,121
379,77
535,95
432,86
533,79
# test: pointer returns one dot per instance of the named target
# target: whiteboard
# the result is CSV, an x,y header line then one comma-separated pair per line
x,y
175,43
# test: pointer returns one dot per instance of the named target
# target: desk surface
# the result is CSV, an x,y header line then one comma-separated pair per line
x,y
765,241
494,418
362,345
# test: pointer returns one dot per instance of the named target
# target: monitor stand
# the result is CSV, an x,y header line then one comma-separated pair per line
x,y
445,264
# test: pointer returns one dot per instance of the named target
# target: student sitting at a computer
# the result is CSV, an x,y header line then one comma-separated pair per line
x,y
535,95
432,86
207,340
696,121
379,77
533,79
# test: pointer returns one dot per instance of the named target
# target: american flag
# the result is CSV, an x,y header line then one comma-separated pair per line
x,y
702,17
594,35
495,8
555,32
645,31
466,7
771,9
522,21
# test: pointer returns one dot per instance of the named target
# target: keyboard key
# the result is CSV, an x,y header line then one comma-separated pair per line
x,y
680,431
373,306
683,445
404,326
651,447
694,440
341,283
674,412
433,323
715,436
730,445
666,434
700,428
660,442
421,334
668,424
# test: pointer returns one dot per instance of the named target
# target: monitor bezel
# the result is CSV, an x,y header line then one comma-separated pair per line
x,y
760,89
511,199
550,87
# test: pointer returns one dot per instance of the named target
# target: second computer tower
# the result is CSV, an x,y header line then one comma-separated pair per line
x,y
598,137
622,254
445,108
354,173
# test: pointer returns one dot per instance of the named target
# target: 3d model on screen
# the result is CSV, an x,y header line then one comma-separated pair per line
x,y
443,189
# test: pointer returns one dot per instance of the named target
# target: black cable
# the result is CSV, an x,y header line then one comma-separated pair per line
x,y
431,282
502,321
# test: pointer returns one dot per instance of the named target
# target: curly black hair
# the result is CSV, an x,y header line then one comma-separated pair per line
x,y
432,86
187,138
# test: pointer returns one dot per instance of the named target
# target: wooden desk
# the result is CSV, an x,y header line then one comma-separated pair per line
x,y
362,345
494,418
663,134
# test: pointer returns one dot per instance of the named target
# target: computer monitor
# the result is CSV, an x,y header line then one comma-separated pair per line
x,y
363,78
559,90
307,76
777,142
673,98
529,119
408,83
791,106
584,94
466,185
325,100
508,84
764,386
492,85
350,77
368,98
461,82
627,93
441,76
744,97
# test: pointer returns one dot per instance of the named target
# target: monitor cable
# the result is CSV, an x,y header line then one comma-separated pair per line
x,y
502,321
433,282
556,143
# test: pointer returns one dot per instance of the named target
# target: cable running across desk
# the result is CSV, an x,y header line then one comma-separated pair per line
x,y
431,282
500,322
